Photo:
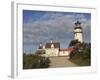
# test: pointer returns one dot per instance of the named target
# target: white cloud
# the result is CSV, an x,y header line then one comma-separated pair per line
x,y
53,25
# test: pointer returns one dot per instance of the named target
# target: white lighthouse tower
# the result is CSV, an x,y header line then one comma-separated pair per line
x,y
78,32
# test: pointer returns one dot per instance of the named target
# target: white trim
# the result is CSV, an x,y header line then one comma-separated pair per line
x,y
14,50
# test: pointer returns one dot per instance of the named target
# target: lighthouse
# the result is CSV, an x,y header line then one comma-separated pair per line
x,y
78,32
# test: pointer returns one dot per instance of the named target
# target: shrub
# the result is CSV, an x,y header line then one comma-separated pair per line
x,y
31,61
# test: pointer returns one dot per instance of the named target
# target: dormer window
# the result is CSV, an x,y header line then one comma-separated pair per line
x,y
51,41
44,47
52,45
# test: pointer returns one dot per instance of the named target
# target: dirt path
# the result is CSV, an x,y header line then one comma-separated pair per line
x,y
61,62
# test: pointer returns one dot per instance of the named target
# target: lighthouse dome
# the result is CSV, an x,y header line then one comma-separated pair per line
x,y
78,25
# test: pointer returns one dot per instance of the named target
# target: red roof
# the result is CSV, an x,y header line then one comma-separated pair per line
x,y
67,49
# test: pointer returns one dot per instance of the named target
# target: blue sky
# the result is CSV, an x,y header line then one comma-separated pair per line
x,y
41,26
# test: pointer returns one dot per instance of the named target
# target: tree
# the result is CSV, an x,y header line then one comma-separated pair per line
x,y
73,43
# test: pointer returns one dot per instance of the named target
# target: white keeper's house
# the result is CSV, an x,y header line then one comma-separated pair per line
x,y
53,48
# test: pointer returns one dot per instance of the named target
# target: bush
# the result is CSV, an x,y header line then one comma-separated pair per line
x,y
73,43
31,61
